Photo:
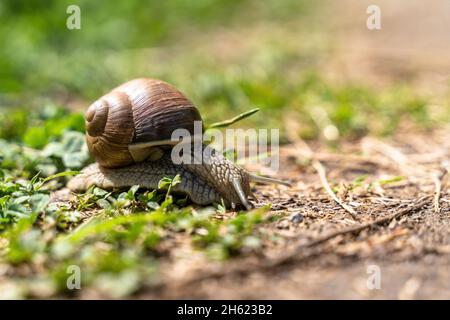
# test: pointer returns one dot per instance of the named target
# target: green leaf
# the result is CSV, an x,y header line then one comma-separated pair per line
x,y
21,199
176,180
74,160
153,205
122,196
149,196
39,201
131,193
103,203
16,213
36,137
221,208
167,202
164,182
360,179
34,179
98,192
71,149
152,240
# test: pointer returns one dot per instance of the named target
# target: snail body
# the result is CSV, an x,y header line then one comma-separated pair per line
x,y
128,132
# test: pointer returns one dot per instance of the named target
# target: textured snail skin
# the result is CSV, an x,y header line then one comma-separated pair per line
x,y
204,183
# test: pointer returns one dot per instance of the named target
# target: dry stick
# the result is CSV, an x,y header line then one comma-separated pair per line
x,y
320,169
323,179
437,194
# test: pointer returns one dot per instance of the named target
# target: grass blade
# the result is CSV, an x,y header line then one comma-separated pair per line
x,y
229,122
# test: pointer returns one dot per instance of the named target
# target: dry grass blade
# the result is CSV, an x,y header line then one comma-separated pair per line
x,y
304,150
437,179
323,179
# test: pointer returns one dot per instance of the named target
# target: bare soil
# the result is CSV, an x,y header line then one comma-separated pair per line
x,y
318,249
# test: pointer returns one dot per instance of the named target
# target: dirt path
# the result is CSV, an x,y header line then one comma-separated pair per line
x,y
412,46
411,251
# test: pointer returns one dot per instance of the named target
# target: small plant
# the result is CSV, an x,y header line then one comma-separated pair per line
x,y
224,239
24,199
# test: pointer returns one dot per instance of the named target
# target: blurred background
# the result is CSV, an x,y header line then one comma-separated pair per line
x,y
313,62
316,72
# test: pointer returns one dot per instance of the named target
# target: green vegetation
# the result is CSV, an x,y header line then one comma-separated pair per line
x,y
118,246
227,56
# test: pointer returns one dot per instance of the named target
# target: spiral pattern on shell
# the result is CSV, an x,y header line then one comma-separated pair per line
x,y
138,111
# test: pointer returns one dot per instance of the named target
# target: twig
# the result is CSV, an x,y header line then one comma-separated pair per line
x,y
437,194
323,179
302,148
437,179
384,200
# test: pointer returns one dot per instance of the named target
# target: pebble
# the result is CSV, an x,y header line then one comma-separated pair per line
x,y
296,218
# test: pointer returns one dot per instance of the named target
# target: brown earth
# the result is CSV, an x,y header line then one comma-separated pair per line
x,y
323,251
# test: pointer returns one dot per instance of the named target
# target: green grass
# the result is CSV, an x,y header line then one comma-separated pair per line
x,y
45,57
122,240
226,56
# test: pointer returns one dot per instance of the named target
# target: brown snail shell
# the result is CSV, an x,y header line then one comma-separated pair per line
x,y
142,112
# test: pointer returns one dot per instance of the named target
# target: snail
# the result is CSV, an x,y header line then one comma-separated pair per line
x,y
129,134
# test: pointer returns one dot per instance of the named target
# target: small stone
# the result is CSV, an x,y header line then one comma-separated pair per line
x,y
283,224
296,218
